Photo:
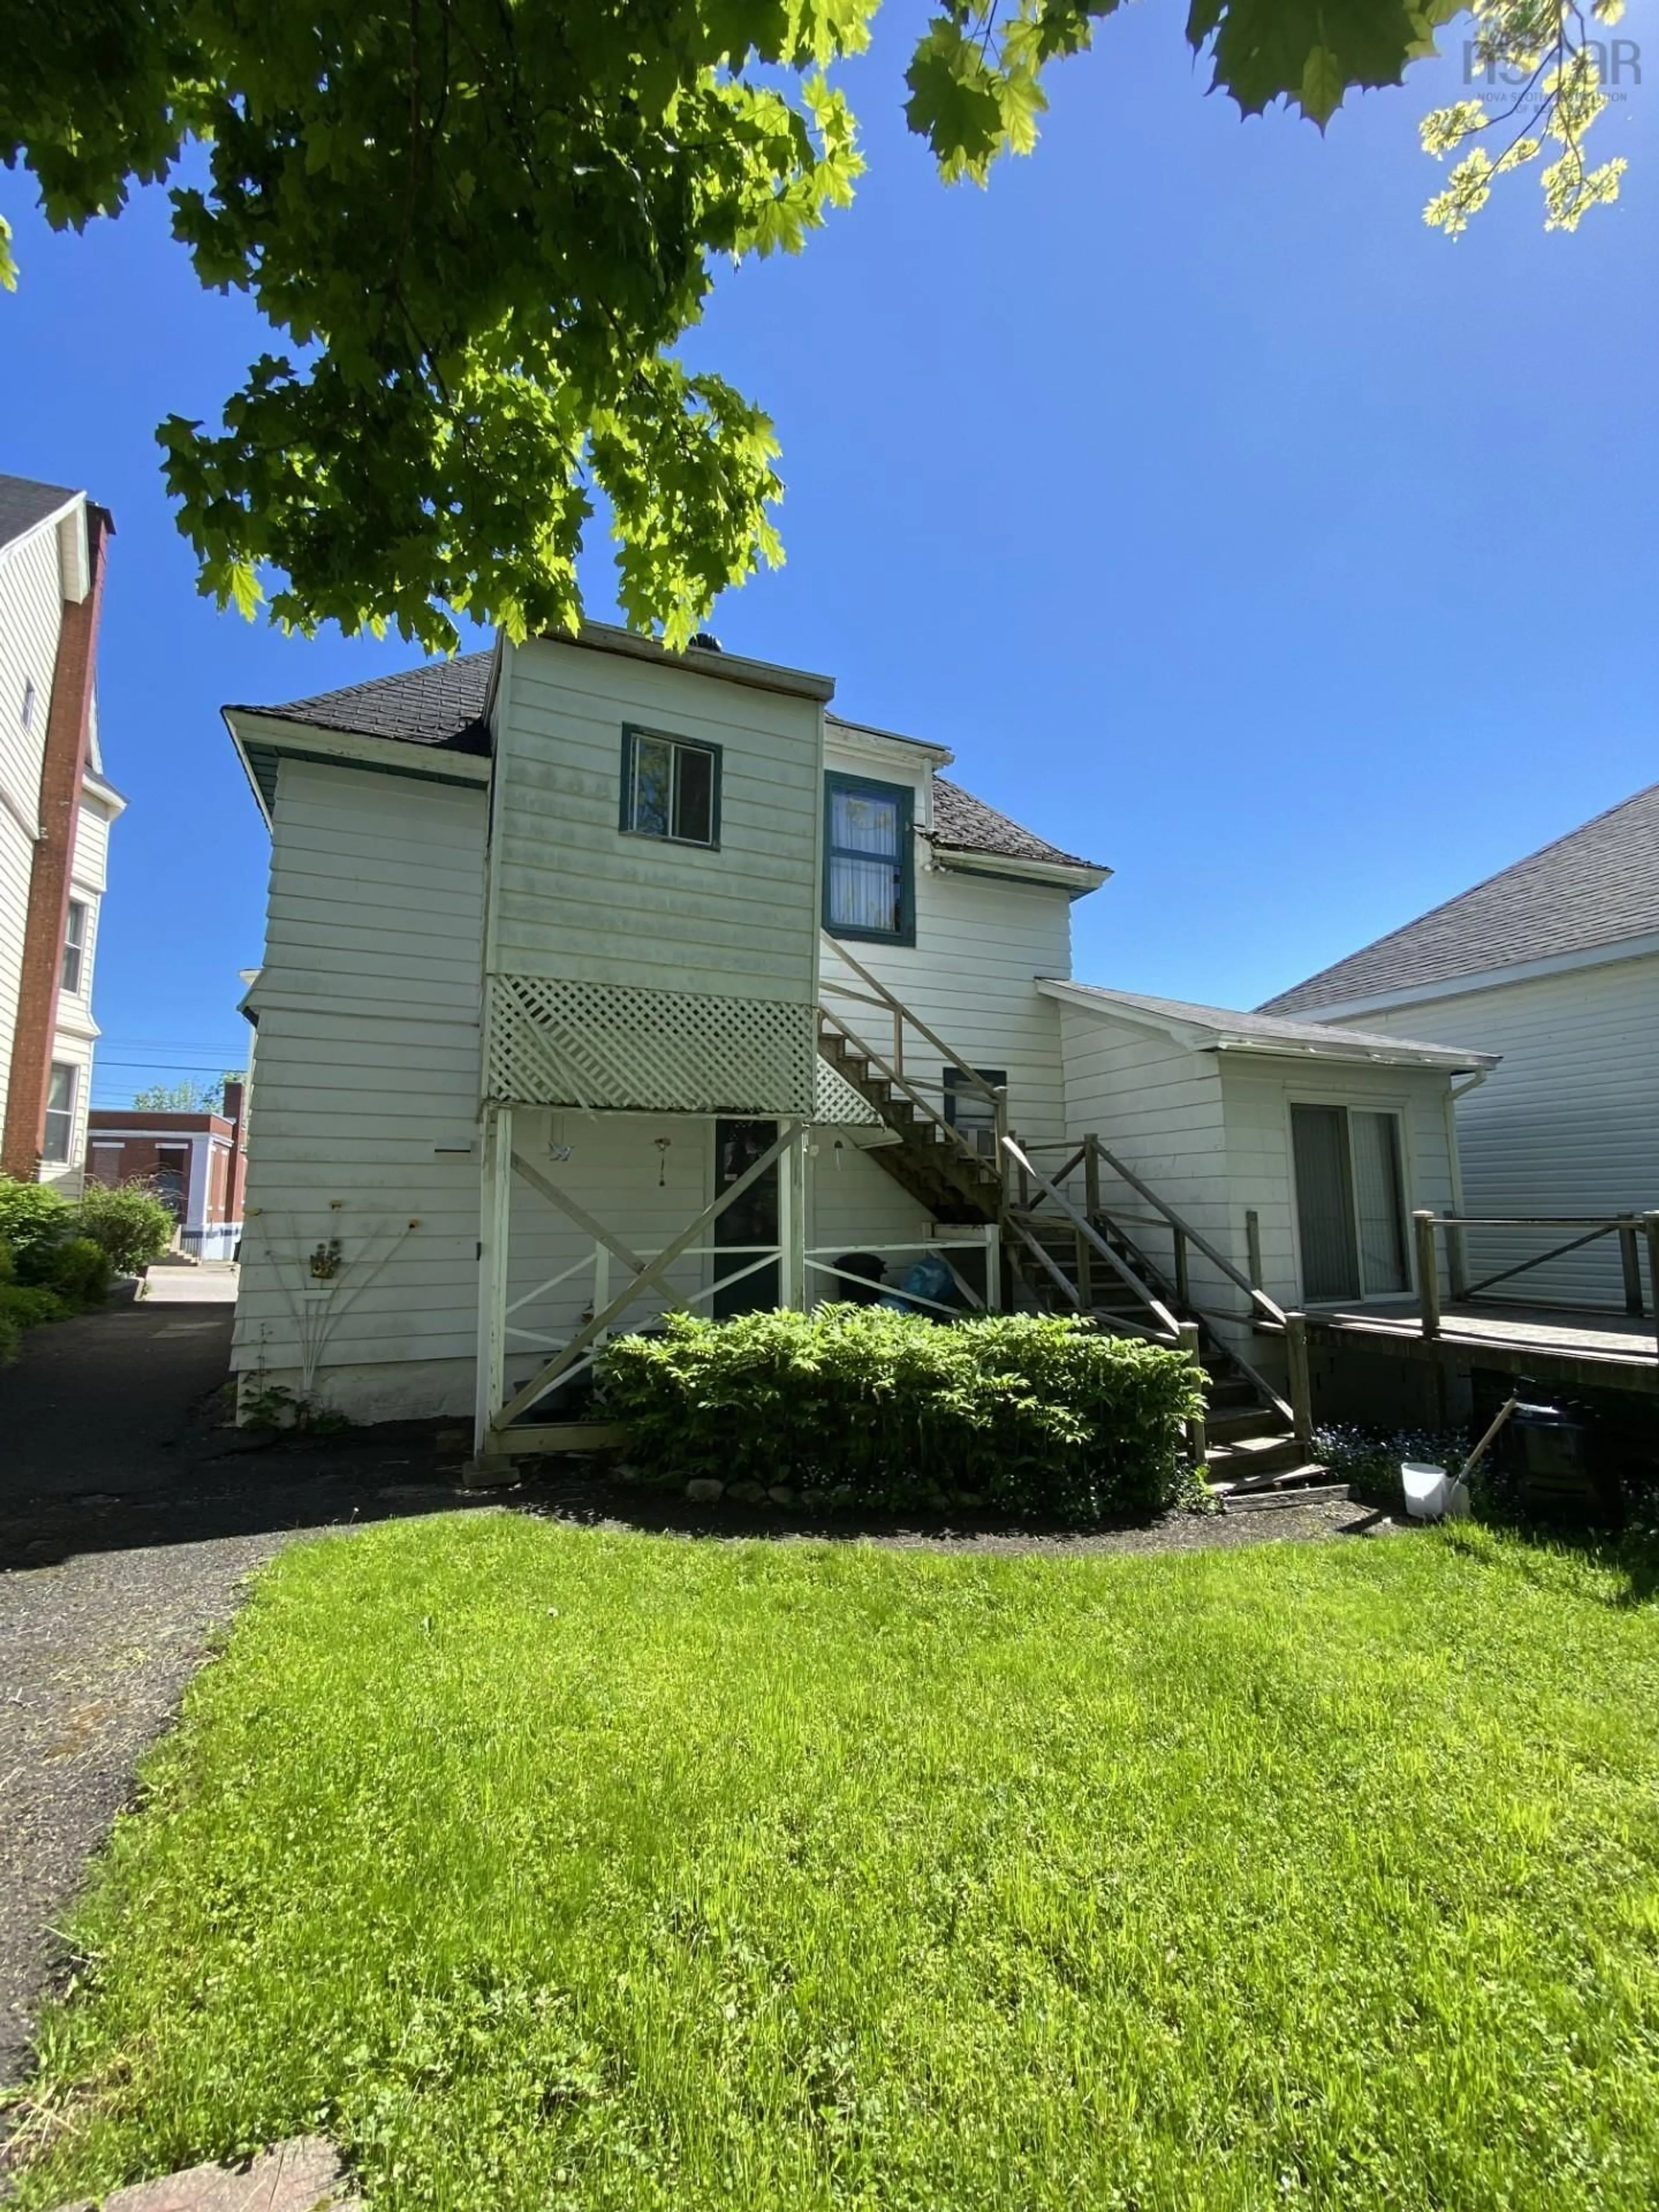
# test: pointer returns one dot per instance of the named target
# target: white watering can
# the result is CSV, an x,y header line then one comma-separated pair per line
x,y
1432,1493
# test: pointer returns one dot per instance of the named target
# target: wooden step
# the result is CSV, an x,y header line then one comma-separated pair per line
x,y
1228,1424
1302,1486
1244,1458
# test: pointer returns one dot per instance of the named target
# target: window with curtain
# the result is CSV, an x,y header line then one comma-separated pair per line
x,y
868,865
60,1113
75,946
670,788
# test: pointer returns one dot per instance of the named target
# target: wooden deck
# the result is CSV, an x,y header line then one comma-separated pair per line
x,y
1617,1350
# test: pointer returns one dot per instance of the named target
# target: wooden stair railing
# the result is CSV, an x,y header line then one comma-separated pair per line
x,y
1107,1269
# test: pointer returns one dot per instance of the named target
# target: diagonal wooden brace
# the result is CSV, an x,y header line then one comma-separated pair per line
x,y
584,1220
542,1381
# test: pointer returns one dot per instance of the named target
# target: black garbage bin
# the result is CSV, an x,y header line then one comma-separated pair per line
x,y
1547,1451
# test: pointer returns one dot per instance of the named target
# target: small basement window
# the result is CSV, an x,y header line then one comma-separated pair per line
x,y
60,1113
670,788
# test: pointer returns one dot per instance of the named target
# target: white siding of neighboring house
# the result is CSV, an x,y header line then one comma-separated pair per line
x,y
368,1007
76,1036
1567,1122
982,941
31,616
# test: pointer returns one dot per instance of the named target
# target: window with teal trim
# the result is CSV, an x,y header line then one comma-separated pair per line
x,y
869,864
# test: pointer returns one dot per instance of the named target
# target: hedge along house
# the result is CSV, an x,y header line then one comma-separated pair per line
x,y
600,981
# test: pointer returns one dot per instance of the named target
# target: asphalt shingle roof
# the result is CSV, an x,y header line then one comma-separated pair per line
x,y
962,824
1273,1028
442,704
23,503
1596,885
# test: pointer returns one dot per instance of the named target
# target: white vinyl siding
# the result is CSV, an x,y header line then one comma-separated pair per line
x,y
1258,1092
1565,1123
576,897
982,942
1210,1134
1157,1105
367,1003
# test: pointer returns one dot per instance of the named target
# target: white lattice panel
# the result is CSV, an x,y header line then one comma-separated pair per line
x,y
839,1103
614,1047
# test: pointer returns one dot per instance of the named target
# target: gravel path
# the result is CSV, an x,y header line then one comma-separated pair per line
x,y
94,1655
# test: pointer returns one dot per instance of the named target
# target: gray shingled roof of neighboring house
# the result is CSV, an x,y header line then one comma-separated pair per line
x,y
1594,886
441,704
1270,1029
23,503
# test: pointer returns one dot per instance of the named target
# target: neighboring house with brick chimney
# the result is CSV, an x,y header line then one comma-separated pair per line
x,y
55,812
195,1161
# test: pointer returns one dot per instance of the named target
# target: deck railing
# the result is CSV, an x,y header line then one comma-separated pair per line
x,y
1635,1233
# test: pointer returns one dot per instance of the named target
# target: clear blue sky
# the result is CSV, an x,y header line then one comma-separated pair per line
x,y
1235,530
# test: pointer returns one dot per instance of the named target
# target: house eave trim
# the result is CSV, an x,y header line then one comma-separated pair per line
x,y
1446,1063
865,738
252,731
724,667
1206,1037
951,859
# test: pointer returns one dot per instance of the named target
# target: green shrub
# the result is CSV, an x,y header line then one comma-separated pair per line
x,y
129,1220
80,1272
34,1220
24,1305
873,1409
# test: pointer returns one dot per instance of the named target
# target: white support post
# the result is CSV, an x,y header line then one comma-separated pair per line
x,y
601,1276
992,1267
495,1214
791,1227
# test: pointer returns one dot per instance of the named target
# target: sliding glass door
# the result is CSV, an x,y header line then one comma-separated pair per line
x,y
1350,1202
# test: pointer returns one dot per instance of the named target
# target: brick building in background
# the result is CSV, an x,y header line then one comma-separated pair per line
x,y
55,814
197,1163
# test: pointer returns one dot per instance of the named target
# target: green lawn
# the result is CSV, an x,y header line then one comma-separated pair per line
x,y
545,1868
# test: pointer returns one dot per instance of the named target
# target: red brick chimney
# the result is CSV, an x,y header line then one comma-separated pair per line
x,y
235,1111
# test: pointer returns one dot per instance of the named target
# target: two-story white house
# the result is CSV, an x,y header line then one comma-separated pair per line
x,y
599,980
56,808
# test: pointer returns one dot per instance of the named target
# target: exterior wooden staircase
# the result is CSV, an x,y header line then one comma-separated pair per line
x,y
1060,1256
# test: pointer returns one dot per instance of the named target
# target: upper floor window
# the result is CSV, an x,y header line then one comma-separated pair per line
x,y
75,946
26,713
671,788
60,1113
869,878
